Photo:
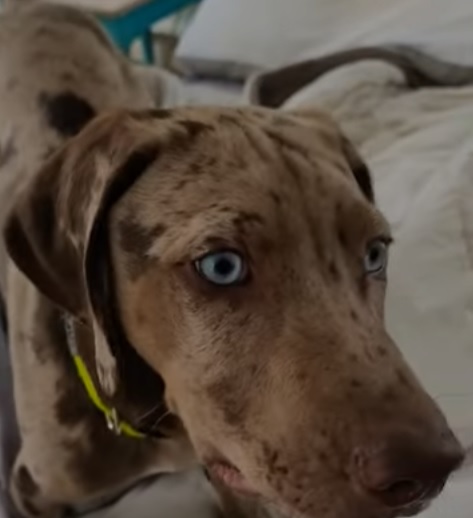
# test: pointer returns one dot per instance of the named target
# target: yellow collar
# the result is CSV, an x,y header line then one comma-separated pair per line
x,y
114,423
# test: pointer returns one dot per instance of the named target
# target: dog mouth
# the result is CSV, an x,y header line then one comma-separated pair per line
x,y
227,474
230,476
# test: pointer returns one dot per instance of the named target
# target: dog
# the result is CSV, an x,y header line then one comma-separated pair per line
x,y
196,287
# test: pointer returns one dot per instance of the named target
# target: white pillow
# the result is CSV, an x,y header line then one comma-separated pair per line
x,y
233,38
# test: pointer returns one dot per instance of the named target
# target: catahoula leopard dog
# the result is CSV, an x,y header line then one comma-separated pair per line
x,y
196,286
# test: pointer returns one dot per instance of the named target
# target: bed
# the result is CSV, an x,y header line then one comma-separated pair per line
x,y
398,76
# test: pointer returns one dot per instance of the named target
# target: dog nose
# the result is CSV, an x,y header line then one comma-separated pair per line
x,y
404,471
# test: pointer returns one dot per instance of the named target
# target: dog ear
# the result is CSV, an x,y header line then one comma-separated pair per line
x,y
359,169
57,232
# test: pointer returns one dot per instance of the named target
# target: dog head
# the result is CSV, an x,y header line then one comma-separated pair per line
x,y
236,258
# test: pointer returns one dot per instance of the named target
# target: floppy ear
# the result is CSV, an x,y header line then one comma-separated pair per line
x,y
57,232
359,169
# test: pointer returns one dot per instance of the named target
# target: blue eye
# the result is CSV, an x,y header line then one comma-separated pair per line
x,y
376,258
225,268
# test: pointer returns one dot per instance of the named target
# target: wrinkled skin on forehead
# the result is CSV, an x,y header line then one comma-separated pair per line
x,y
285,375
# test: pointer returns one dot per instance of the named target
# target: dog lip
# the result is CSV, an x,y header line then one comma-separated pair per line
x,y
230,476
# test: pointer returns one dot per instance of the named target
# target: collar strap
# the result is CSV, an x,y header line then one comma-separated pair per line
x,y
114,423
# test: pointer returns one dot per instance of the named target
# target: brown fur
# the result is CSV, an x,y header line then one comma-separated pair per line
x,y
284,376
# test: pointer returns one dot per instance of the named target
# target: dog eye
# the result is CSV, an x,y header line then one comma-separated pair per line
x,y
225,268
376,258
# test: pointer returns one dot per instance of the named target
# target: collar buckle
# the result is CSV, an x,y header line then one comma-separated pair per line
x,y
113,422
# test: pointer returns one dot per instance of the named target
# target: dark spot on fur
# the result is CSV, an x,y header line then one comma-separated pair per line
x,y
389,395
319,250
355,384
180,214
41,349
66,112
7,151
275,197
254,368
282,470
402,378
354,315
333,271
194,128
353,357
244,219
323,457
302,376
273,457
276,467
67,77
182,183
342,238
25,482
382,352
136,241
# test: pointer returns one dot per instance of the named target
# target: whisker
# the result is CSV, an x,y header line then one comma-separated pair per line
x,y
149,412
160,419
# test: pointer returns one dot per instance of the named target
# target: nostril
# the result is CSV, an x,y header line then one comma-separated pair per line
x,y
405,471
402,492
378,478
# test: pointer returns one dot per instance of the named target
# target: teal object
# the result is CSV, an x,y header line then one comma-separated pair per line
x,y
136,24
